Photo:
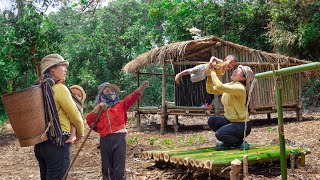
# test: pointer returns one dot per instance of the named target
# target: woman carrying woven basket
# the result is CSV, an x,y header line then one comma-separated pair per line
x,y
54,154
235,125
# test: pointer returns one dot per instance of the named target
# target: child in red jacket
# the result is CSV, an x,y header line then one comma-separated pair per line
x,y
111,126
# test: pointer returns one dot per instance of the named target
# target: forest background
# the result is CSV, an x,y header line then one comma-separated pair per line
x,y
99,37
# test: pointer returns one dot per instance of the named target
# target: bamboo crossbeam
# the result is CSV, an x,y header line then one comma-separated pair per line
x,y
289,70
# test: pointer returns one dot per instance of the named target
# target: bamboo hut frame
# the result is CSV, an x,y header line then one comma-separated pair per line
x,y
194,52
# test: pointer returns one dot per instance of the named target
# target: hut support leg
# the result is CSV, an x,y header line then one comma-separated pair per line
x,y
164,119
299,114
235,169
175,124
269,116
138,121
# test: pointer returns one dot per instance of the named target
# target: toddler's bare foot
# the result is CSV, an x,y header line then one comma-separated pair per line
x,y
71,139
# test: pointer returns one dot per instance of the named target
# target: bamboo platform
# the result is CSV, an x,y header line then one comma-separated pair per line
x,y
214,160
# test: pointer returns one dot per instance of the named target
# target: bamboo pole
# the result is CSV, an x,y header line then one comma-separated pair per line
x,y
163,102
283,162
289,70
274,73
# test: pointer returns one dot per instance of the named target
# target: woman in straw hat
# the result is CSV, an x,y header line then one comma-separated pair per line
x,y
232,128
61,111
112,127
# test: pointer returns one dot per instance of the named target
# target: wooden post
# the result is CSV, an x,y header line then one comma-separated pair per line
x,y
235,169
175,124
303,159
299,108
269,116
163,108
138,105
292,160
245,167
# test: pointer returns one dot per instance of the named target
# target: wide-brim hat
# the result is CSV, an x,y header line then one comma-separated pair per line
x,y
247,71
106,84
51,60
84,95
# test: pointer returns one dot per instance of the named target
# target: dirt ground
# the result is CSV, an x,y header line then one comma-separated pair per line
x,y
20,163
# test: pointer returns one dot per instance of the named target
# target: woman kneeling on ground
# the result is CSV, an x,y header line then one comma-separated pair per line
x,y
229,129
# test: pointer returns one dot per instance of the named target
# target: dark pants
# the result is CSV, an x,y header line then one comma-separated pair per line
x,y
53,160
113,156
230,133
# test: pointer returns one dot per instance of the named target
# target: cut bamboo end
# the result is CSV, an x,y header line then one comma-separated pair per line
x,y
156,156
208,164
174,160
162,156
144,154
149,155
191,162
197,163
180,161
166,158
202,164
186,161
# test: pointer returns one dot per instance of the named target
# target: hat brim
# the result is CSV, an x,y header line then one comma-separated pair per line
x,y
84,95
58,63
115,87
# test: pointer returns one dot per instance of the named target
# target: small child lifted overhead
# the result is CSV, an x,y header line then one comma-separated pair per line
x,y
79,96
200,72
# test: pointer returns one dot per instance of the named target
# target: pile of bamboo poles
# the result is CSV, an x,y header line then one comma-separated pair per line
x,y
212,160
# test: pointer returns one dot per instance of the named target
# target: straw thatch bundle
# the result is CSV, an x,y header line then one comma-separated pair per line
x,y
200,50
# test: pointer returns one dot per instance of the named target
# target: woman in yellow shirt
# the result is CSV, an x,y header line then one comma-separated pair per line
x,y
229,129
54,155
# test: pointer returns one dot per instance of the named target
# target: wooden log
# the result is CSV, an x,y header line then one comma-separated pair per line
x,y
235,169
245,167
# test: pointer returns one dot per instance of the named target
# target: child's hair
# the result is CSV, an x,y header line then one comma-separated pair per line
x,y
233,57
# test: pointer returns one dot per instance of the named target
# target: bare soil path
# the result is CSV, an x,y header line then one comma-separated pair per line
x,y
20,163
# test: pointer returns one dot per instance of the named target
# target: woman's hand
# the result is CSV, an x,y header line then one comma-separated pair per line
x,y
99,107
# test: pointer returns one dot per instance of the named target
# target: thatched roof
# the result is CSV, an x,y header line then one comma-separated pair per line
x,y
200,50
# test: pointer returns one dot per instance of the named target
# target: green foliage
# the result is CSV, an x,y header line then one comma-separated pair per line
x,y
294,28
167,142
152,140
99,44
133,140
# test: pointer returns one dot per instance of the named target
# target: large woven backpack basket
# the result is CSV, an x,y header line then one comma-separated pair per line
x,y
25,110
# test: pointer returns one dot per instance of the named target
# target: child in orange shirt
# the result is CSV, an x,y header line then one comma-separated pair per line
x,y
79,96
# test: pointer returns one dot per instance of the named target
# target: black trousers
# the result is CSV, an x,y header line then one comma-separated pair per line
x,y
230,133
53,160
113,156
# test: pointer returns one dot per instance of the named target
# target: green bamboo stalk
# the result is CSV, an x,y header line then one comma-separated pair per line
x,y
208,161
213,152
289,70
265,157
283,162
275,73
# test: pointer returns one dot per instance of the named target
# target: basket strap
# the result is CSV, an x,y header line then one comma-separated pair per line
x,y
45,132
